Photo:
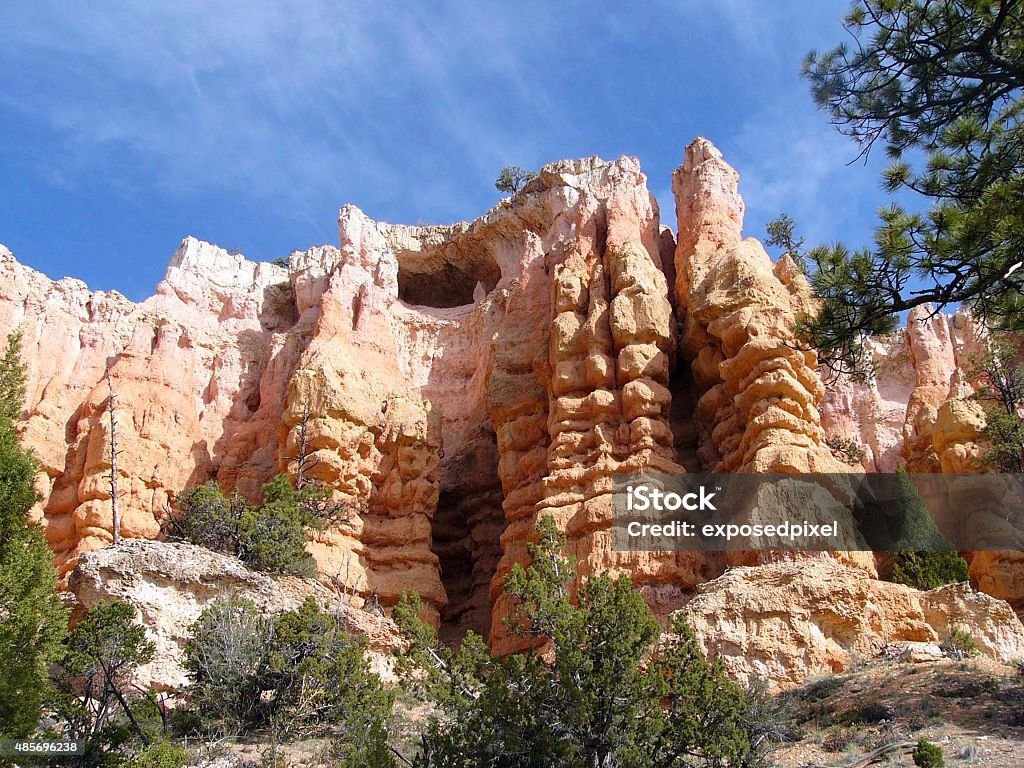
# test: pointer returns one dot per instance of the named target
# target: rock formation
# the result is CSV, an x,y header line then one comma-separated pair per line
x,y
188,366
872,413
918,412
451,384
169,585
786,622
758,396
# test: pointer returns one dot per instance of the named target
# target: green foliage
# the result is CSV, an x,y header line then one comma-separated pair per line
x,y
922,558
928,755
847,451
96,701
512,179
299,672
32,624
209,519
782,234
321,677
942,81
272,538
268,537
959,644
17,468
1005,433
12,380
895,518
364,745
227,658
32,621
928,570
611,694
1001,393
160,754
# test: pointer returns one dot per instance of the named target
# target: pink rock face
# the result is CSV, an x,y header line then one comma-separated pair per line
x,y
187,366
931,348
757,394
452,384
872,413
895,415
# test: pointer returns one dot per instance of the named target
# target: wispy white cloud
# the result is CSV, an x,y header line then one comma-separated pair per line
x,y
798,167
789,158
408,110
277,99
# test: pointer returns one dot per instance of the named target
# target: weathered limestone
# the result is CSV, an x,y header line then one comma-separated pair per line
x,y
934,361
758,396
170,585
757,393
452,384
872,413
187,365
787,622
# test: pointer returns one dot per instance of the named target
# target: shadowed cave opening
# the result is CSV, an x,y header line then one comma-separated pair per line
x,y
445,276
466,534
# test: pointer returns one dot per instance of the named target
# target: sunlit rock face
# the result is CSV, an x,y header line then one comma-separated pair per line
x,y
170,585
455,383
758,396
787,622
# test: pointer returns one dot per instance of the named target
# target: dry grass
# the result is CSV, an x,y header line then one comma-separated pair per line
x,y
974,709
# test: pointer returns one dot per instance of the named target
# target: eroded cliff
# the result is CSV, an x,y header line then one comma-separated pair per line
x,y
454,383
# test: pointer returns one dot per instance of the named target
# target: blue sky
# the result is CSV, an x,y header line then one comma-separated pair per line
x,y
126,126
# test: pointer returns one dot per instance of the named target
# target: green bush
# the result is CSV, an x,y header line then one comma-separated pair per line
x,y
322,679
268,537
959,644
32,621
209,519
300,672
928,570
96,702
928,755
923,558
613,693
227,659
1000,390
160,754
272,538
899,521
1005,432
512,179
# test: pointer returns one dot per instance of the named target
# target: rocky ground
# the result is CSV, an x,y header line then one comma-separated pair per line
x,y
973,709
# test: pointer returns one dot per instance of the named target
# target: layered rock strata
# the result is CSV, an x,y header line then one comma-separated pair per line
x,y
453,384
932,367
758,394
193,369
